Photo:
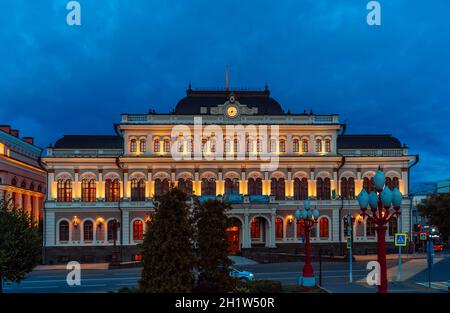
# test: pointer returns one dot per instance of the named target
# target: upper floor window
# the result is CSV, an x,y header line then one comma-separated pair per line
x,y
323,189
133,145
295,146
249,145
180,145
14,182
327,145
236,145
208,186
258,145
278,188
392,182
300,188
305,145
161,186
137,189
156,146
282,145
189,145
166,145
64,188
112,190
348,188
368,184
185,185
143,145
88,190
319,145
273,145
231,186
254,186
204,145
213,145
227,145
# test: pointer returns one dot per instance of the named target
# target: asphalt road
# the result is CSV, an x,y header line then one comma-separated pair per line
x,y
335,276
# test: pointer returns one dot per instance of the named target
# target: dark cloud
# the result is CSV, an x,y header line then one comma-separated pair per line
x,y
129,56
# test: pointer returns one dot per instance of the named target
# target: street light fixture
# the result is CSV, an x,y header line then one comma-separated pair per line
x,y
380,201
309,219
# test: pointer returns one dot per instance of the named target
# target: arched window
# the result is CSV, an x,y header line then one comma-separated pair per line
x,y
231,186
88,231
64,188
348,188
305,145
368,184
393,226
31,186
255,228
323,187
156,145
142,145
278,188
319,145
88,190
64,231
279,228
137,189
23,184
236,145
208,187
112,190
395,182
324,228
227,145
295,145
300,188
110,231
14,182
166,145
133,145
392,182
185,185
138,230
282,145
255,186
249,145
161,186
273,145
327,145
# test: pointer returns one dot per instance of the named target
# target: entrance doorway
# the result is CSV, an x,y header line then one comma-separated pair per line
x,y
233,236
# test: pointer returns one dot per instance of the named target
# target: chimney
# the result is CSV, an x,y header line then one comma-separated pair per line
x,y
15,133
5,128
30,140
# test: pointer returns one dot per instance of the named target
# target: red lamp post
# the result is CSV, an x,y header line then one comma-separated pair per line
x,y
380,201
309,219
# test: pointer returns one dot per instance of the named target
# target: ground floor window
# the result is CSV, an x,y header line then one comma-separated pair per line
x,y
279,228
88,231
138,230
324,228
64,231
255,229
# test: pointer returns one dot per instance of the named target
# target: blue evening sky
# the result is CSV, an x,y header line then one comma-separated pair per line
x,y
132,55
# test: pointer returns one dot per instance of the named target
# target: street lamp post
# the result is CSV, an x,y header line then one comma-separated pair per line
x,y
309,219
380,201
115,228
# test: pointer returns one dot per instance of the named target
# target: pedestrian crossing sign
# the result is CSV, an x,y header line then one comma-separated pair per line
x,y
423,235
400,239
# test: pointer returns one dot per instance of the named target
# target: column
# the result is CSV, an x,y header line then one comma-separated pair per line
x,y
335,225
126,193
51,180
312,184
266,184
403,183
149,144
289,184
246,241
243,183
220,190
271,241
312,147
36,208
336,182
76,193
358,182
150,185
197,186
100,190
126,227
173,177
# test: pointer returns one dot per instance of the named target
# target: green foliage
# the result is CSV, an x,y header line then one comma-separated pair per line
x,y
20,244
212,246
262,286
167,249
436,209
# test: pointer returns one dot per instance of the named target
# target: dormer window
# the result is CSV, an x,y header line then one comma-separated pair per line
x,y
133,146
327,145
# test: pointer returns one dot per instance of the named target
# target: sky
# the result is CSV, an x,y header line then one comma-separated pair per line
x,y
130,56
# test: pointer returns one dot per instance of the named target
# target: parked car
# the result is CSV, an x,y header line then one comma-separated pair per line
x,y
438,247
241,275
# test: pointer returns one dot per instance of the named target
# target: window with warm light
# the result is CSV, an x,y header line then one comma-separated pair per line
x,y
133,146
166,145
88,231
324,228
88,192
64,231
295,146
304,145
142,145
327,145
279,228
138,230
318,145
156,146
282,145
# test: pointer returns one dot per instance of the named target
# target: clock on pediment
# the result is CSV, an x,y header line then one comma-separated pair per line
x,y
231,109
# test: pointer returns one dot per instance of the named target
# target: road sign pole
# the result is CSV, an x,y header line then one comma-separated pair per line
x,y
399,274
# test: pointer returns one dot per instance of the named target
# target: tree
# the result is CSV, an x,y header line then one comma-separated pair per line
x,y
212,246
436,208
20,244
167,249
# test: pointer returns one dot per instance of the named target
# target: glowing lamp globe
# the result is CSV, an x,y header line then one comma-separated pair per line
x,y
386,196
304,213
379,179
363,199
307,204
316,213
396,198
373,200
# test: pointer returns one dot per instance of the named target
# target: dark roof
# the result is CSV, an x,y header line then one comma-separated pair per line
x,y
368,142
195,99
89,142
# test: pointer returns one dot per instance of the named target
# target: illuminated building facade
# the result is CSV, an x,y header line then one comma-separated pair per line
x,y
96,179
22,178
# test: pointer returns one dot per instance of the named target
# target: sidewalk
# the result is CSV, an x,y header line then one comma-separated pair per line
x,y
394,256
87,266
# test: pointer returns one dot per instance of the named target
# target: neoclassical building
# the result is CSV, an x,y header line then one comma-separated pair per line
x,y
265,172
22,178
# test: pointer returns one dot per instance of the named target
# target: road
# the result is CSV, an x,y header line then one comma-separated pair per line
x,y
334,277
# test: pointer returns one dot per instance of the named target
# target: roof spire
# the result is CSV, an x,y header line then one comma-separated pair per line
x,y
226,79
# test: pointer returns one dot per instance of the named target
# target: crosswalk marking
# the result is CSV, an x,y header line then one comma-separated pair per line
x,y
440,285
